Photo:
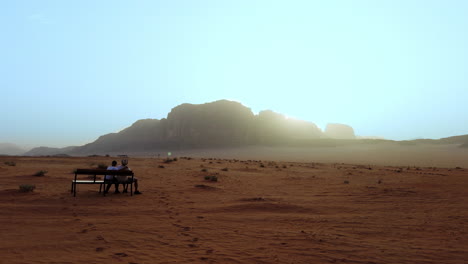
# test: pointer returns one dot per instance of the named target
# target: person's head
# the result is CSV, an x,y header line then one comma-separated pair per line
x,y
114,163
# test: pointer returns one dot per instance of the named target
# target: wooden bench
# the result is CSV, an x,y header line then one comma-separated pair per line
x,y
94,180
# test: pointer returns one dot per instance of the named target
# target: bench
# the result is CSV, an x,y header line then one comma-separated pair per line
x,y
94,180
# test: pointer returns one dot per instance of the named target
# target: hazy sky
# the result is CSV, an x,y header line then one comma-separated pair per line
x,y
74,70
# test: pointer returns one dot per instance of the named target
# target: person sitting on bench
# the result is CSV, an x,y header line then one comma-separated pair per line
x,y
110,179
124,180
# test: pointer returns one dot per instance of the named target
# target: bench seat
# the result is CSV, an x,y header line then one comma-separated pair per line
x,y
87,182
94,180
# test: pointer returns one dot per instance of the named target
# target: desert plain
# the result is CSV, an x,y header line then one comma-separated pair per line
x,y
258,211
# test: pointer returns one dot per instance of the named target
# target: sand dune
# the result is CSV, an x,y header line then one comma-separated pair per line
x,y
257,212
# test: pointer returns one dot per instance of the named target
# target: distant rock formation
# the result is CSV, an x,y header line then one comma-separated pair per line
x,y
46,151
274,128
339,131
217,124
220,123
10,149
463,139
142,135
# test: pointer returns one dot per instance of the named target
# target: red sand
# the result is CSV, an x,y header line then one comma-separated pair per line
x,y
283,212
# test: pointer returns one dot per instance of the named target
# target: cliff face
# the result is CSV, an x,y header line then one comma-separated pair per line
x,y
218,124
339,131
212,124
274,128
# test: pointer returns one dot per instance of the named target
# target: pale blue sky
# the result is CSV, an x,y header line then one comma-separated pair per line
x,y
74,70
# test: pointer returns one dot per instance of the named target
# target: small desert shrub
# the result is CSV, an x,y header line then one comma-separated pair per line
x,y
40,173
379,182
161,167
346,182
204,170
284,166
27,187
102,166
225,169
10,163
174,159
168,160
262,166
211,178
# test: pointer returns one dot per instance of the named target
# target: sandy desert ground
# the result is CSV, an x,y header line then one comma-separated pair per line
x,y
257,212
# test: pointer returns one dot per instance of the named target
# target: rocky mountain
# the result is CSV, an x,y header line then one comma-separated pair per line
x,y
10,149
460,140
220,123
339,131
455,140
217,124
46,151
224,124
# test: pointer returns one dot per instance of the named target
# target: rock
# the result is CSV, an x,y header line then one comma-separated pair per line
x,y
339,131
217,124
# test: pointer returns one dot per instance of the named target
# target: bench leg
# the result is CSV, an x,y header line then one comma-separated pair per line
x,y
105,189
74,189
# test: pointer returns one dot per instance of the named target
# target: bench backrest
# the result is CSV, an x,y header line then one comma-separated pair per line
x,y
103,172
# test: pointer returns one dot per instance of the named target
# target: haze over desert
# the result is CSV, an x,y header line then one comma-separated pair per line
x,y
256,132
